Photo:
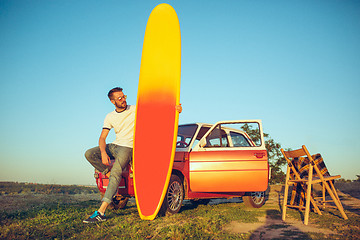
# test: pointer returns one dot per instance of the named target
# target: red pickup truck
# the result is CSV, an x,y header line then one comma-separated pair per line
x,y
222,160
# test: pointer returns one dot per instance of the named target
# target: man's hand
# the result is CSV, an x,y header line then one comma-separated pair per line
x,y
178,108
105,159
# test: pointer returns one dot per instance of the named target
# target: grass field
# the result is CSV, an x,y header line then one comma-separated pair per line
x,y
59,216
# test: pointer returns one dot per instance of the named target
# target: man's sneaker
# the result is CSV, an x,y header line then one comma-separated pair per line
x,y
96,217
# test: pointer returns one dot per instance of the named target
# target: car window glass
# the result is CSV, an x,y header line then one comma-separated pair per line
x,y
249,130
217,138
201,133
239,140
185,135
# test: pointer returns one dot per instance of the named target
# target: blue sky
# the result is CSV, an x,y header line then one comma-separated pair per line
x,y
293,64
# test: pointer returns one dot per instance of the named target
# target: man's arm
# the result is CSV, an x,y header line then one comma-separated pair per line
x,y
102,145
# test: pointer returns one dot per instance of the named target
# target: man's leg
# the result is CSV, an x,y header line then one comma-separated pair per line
x,y
122,157
93,155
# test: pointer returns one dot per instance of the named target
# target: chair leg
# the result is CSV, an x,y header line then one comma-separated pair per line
x,y
308,196
334,191
286,192
336,200
316,208
323,195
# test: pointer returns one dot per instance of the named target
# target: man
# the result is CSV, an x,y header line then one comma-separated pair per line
x,y
122,120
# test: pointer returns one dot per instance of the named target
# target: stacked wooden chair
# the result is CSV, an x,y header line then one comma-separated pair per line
x,y
303,171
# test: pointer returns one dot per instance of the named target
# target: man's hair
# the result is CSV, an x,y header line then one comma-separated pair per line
x,y
117,89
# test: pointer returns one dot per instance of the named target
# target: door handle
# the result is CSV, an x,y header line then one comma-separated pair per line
x,y
259,155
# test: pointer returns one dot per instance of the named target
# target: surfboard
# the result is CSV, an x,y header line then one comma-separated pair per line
x,y
156,120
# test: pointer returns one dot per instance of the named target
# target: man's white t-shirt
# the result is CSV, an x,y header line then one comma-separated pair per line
x,y
123,124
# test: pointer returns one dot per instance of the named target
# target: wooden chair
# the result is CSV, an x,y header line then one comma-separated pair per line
x,y
294,177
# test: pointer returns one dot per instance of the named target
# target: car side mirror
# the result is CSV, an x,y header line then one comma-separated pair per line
x,y
202,142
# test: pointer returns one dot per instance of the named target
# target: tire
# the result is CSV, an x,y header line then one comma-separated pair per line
x,y
254,199
173,198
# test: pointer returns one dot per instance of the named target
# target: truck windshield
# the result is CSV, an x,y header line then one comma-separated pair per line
x,y
185,135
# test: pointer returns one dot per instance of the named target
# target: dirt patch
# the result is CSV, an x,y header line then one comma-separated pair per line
x,y
272,227
268,228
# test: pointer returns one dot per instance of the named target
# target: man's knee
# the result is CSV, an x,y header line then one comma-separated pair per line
x,y
88,154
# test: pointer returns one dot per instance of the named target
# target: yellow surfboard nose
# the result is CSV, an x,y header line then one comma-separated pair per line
x,y
161,56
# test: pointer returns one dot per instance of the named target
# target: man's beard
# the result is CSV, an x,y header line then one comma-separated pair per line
x,y
122,105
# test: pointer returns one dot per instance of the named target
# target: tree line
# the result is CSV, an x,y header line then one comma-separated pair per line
x,y
17,188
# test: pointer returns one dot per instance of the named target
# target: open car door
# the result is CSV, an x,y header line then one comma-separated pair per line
x,y
230,157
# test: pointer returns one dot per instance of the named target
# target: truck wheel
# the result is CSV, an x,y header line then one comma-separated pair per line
x,y
254,199
173,198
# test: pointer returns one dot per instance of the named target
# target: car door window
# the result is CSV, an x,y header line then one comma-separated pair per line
x,y
217,138
239,140
244,133
201,133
